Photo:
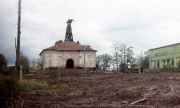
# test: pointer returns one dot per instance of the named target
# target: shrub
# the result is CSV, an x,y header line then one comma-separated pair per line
x,y
24,62
3,62
8,83
11,83
8,71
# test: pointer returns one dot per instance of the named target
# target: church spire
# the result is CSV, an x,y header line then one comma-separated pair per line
x,y
69,35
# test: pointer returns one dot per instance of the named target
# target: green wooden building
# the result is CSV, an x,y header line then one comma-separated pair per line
x,y
164,57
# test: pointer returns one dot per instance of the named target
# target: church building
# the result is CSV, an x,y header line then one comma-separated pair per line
x,y
68,54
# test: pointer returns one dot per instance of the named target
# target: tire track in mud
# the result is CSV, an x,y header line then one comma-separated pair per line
x,y
160,89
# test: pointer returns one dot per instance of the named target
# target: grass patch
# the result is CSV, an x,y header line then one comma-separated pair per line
x,y
63,89
9,83
30,85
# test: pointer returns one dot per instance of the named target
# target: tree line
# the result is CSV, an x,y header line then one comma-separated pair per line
x,y
24,62
121,58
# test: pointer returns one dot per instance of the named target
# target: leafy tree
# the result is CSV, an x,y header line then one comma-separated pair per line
x,y
145,62
98,61
24,62
123,66
178,65
3,62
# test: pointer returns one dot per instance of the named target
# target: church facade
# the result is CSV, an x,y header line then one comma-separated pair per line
x,y
68,54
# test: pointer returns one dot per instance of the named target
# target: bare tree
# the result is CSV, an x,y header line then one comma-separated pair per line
x,y
116,55
104,61
123,65
98,61
130,57
34,63
123,56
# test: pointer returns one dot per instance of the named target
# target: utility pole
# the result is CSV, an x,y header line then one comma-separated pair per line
x,y
84,59
15,50
18,37
140,69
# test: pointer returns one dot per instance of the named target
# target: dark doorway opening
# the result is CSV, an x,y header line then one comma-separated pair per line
x,y
69,63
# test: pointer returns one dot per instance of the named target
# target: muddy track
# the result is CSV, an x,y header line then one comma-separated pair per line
x,y
106,90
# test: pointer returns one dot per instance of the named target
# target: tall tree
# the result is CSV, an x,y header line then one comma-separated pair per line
x,y
145,61
123,56
24,62
106,61
130,57
3,62
116,55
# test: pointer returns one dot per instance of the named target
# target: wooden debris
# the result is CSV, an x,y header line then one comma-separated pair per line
x,y
138,101
125,102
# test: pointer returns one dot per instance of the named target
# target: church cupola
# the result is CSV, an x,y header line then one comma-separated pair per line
x,y
69,35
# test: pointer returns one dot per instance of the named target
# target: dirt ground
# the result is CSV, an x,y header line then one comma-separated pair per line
x,y
90,89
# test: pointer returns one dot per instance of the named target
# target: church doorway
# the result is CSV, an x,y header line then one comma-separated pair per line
x,y
69,63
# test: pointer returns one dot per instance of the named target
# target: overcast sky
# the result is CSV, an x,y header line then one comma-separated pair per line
x,y
143,24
